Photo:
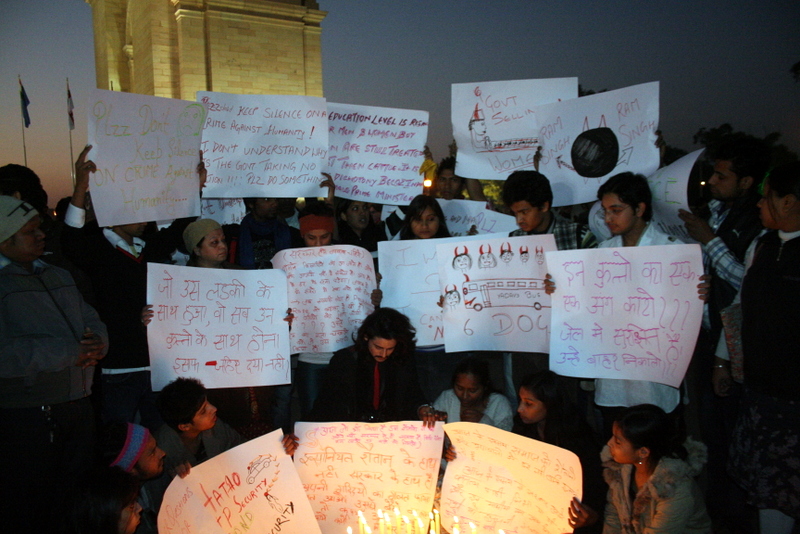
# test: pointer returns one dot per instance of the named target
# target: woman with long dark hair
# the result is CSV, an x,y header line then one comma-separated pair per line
x,y
650,475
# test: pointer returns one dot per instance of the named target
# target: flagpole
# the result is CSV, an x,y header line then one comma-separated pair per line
x,y
22,125
71,124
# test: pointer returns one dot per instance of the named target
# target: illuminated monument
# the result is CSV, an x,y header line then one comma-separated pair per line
x,y
173,48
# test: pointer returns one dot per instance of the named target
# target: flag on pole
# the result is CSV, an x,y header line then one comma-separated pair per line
x,y
70,107
23,98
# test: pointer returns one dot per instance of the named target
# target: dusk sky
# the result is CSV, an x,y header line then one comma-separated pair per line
x,y
717,61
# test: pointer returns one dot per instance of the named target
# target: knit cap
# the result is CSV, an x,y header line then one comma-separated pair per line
x,y
14,214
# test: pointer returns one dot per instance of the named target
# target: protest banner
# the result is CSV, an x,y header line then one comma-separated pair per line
x,y
500,480
462,215
352,468
668,186
410,284
329,293
146,150
223,210
589,139
631,313
493,291
224,327
264,145
495,123
251,488
375,153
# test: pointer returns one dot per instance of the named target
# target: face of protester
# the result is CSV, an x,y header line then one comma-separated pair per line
x,y
204,419
448,185
380,348
129,518
469,390
25,246
264,209
621,218
426,226
775,210
531,218
531,410
317,238
622,450
151,463
212,250
357,216
725,184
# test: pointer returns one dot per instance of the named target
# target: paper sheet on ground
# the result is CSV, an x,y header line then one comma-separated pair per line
x,y
500,480
631,313
224,327
329,293
352,467
146,149
494,295
253,487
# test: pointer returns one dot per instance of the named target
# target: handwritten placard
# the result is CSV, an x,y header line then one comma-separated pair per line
x,y
146,149
251,488
366,467
375,153
462,215
410,284
500,480
329,293
223,210
264,145
224,327
494,295
630,313
589,139
495,125
669,188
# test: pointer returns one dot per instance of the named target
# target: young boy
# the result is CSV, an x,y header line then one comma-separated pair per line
x,y
192,432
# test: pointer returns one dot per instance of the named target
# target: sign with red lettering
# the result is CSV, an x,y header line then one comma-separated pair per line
x,y
224,327
375,153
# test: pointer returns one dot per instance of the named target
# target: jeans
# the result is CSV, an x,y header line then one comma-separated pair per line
x,y
125,394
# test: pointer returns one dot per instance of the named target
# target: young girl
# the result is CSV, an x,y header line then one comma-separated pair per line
x,y
651,476
424,219
547,414
472,399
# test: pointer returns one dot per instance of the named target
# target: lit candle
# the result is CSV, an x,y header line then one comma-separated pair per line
x,y
408,524
437,521
471,527
397,521
349,530
367,530
455,525
501,531
381,523
420,526
361,522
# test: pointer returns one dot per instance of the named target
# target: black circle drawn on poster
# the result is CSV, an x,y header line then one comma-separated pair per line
x,y
595,152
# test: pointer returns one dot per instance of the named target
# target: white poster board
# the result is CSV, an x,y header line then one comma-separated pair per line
x,y
347,468
494,295
375,153
500,480
224,327
669,186
495,123
410,284
462,215
264,145
631,313
146,149
251,488
589,139
329,293
223,210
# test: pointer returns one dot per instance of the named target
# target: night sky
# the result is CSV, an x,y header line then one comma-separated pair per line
x,y
717,62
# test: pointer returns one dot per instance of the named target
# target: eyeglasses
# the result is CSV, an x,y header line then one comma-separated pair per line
x,y
614,211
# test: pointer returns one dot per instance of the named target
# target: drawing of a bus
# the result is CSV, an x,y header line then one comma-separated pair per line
x,y
502,292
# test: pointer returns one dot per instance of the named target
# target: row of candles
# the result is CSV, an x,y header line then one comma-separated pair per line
x,y
402,524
